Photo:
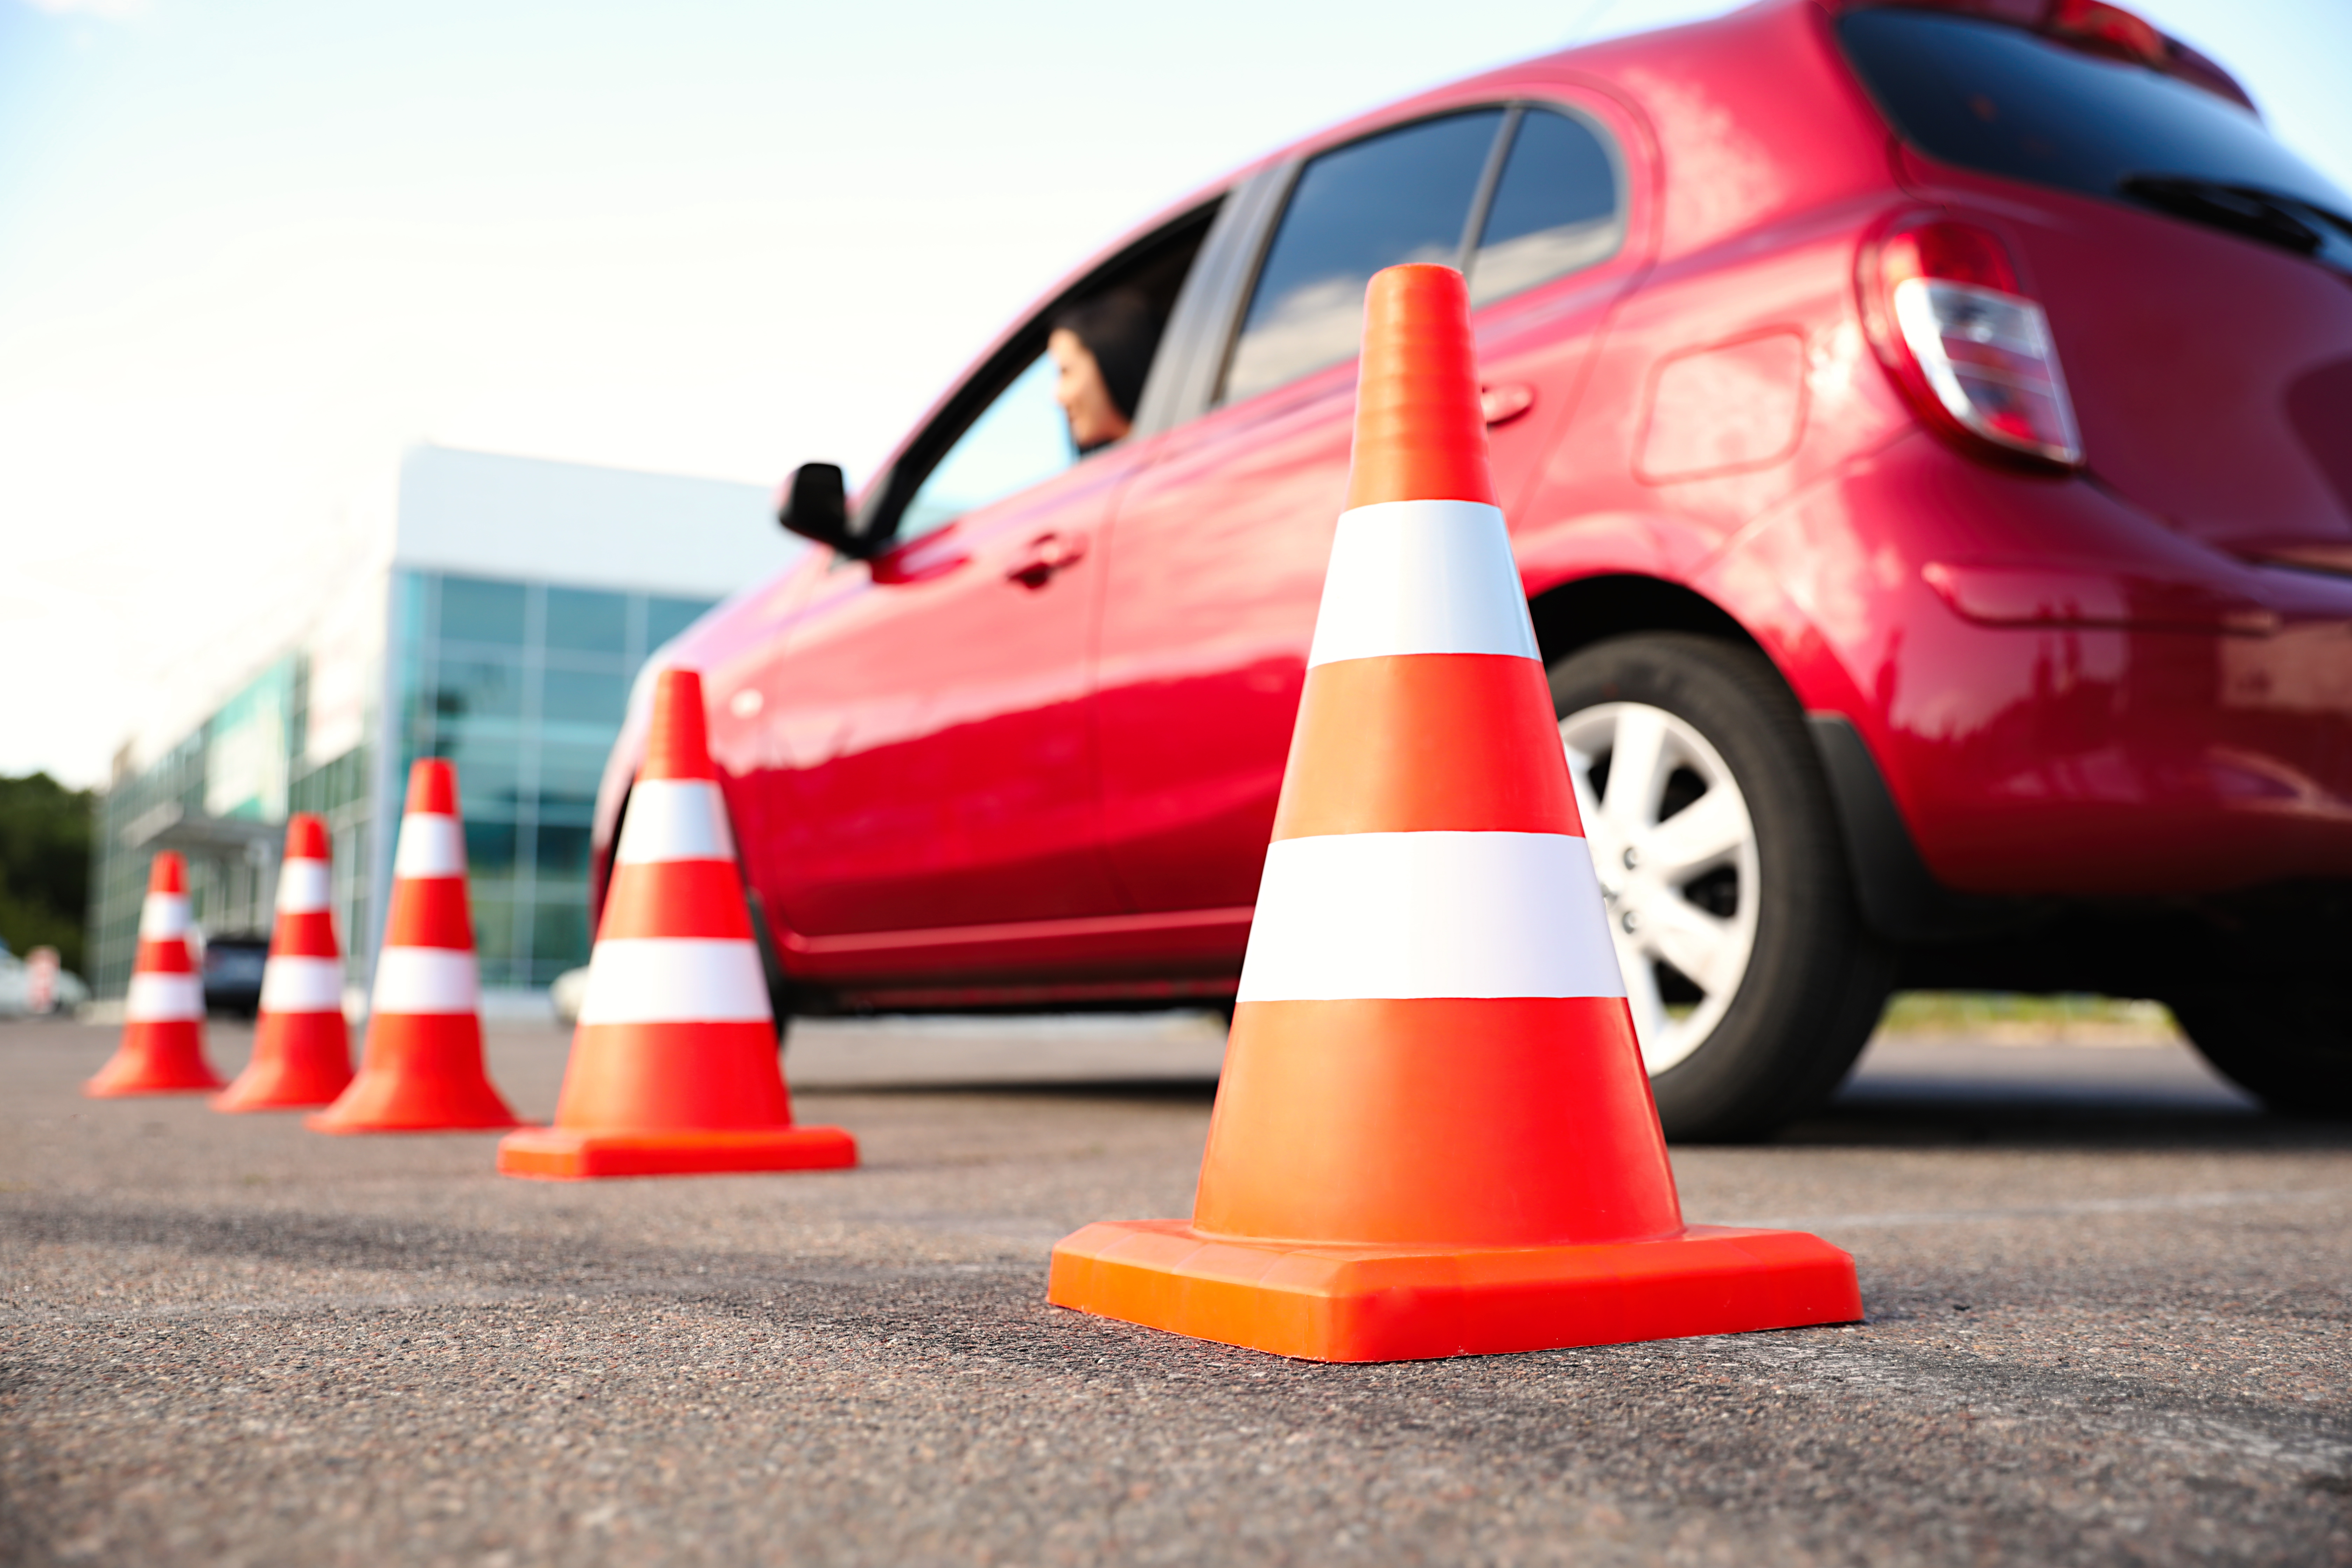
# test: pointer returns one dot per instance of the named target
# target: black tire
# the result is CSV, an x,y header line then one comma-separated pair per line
x,y
1816,979
771,967
2291,1046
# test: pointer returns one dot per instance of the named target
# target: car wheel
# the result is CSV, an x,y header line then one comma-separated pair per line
x,y
1752,980
772,968
2291,1046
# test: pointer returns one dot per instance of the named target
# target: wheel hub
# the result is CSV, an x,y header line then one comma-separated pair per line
x,y
1674,851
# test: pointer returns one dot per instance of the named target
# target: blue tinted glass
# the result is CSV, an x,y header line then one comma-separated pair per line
x,y
563,852
411,702
405,623
2002,101
1398,197
1554,212
582,697
666,618
473,610
488,773
568,776
476,688
489,848
494,934
559,937
585,621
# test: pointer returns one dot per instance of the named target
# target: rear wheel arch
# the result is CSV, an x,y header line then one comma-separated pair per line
x,y
1587,610
1790,1033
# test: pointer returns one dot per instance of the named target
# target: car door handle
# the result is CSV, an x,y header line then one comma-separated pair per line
x,y
1048,553
1505,401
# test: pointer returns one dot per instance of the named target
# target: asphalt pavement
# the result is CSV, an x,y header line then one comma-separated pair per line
x,y
2107,1306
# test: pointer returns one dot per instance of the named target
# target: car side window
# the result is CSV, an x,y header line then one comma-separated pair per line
x,y
1402,195
1555,211
1019,439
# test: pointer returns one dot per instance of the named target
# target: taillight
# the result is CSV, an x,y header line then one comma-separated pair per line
x,y
1951,320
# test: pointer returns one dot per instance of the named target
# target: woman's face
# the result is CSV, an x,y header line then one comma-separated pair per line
x,y
1094,420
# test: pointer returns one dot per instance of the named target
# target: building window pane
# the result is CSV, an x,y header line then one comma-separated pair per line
x,y
494,934
587,622
583,697
489,770
475,688
489,848
563,852
666,618
559,937
473,610
568,778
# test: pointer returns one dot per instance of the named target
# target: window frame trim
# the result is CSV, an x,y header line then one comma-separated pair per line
x,y
884,501
1514,107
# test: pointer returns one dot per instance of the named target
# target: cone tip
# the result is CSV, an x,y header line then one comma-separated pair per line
x,y
168,873
677,741
306,838
1419,434
432,788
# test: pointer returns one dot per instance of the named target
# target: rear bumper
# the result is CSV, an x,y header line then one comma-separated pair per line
x,y
2123,713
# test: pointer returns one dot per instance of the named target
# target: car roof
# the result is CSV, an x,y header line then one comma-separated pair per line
x,y
1748,113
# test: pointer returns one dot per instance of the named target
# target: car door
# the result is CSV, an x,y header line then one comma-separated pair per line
x,y
931,704
1218,552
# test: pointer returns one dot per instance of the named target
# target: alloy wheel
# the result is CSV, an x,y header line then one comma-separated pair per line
x,y
1674,848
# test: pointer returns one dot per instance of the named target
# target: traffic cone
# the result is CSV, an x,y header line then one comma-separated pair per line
x,y
422,1070
1433,1135
301,1046
162,1048
674,1067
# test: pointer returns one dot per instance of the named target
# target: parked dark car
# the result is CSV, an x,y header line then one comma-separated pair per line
x,y
1926,434
233,966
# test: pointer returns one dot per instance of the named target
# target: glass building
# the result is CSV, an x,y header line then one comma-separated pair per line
x,y
522,686
500,628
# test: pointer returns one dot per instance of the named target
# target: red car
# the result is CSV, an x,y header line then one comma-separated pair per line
x,y
1927,432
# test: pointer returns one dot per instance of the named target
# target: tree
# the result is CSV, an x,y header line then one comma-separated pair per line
x,y
45,833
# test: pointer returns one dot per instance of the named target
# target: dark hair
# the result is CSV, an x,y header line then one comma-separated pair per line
x,y
1121,329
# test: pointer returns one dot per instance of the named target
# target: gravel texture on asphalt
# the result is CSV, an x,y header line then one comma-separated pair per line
x,y
2107,1323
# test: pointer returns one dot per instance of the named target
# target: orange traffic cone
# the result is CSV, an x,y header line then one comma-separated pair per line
x,y
422,1071
162,1048
674,1067
1434,1136
301,1046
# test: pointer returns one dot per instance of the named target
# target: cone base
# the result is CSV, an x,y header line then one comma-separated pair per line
x,y
482,1112
1361,1304
567,1154
98,1088
281,1086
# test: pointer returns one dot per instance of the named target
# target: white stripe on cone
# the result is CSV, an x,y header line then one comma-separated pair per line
x,y
157,998
1429,914
426,979
430,846
302,886
674,819
674,980
302,985
1422,576
162,917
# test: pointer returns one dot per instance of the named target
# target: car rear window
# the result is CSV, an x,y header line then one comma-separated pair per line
x,y
1555,211
2002,101
1403,195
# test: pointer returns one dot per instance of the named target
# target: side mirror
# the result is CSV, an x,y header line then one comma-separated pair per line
x,y
814,504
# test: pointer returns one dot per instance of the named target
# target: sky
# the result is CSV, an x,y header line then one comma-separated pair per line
x,y
251,250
